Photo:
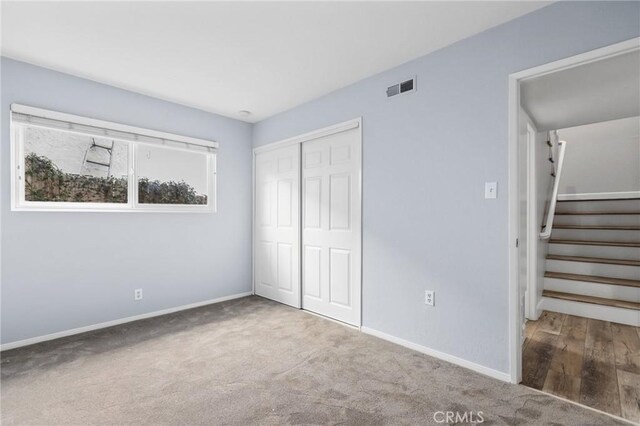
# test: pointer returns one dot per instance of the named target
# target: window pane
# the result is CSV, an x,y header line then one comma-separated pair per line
x,y
67,167
170,176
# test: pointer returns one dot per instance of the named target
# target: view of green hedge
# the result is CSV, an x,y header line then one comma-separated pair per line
x,y
156,192
44,181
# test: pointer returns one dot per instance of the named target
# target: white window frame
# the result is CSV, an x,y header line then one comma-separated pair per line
x,y
18,202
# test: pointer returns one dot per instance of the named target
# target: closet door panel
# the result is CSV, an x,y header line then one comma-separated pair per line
x,y
277,225
331,228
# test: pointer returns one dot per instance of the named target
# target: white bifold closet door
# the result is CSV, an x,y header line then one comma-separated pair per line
x,y
277,225
331,229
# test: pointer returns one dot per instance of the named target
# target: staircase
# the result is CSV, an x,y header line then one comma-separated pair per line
x,y
593,261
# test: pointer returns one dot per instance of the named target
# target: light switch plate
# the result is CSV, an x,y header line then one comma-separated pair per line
x,y
490,190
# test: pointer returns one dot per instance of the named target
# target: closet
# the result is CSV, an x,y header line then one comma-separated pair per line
x,y
307,222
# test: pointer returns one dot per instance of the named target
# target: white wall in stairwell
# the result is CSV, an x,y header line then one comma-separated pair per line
x,y
541,173
544,186
602,157
526,248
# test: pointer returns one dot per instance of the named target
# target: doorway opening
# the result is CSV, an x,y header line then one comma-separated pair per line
x,y
574,231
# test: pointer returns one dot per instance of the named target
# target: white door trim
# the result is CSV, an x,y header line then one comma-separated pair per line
x,y
315,134
355,123
515,352
532,227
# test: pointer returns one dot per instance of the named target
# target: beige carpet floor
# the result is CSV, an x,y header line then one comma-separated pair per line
x,y
253,361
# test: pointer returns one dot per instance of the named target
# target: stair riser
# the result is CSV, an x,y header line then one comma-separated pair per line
x,y
588,310
595,235
607,291
611,220
597,269
589,206
631,253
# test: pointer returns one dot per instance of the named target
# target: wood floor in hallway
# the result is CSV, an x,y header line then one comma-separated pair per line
x,y
592,362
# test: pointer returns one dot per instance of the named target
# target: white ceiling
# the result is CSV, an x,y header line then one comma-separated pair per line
x,y
622,129
599,91
222,57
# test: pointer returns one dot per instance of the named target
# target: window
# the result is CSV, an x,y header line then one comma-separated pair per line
x,y
65,162
167,176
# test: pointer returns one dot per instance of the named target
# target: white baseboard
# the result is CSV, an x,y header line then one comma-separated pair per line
x,y
599,196
539,307
505,377
59,334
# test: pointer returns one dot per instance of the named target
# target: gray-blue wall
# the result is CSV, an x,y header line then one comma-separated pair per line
x,y
426,157
66,270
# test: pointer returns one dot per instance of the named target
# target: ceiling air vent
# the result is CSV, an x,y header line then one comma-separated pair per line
x,y
402,87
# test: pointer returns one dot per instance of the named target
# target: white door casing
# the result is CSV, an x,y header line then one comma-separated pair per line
x,y
277,225
331,226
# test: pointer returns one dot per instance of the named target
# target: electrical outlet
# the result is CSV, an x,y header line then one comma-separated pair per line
x,y
137,294
429,297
